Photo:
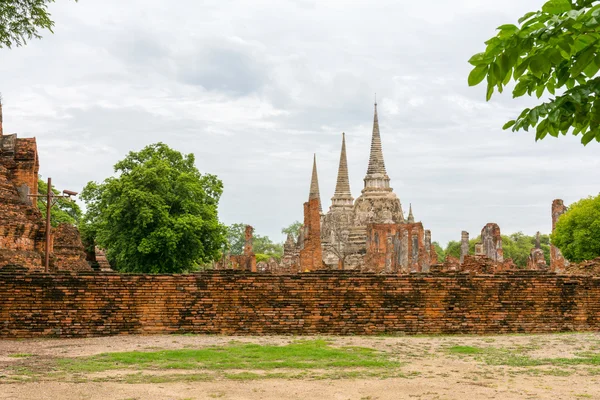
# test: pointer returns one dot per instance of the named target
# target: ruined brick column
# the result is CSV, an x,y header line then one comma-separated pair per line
x,y
249,250
311,255
536,260
557,260
1,129
492,242
464,245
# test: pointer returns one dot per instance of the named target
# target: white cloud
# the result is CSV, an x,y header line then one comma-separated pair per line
x,y
255,88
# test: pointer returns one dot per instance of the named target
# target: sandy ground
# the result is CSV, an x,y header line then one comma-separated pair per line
x,y
430,371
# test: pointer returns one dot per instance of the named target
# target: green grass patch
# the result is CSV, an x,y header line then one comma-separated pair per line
x,y
519,357
313,354
20,355
465,350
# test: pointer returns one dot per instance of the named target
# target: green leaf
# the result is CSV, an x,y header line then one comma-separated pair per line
x,y
588,137
541,130
582,60
550,86
520,89
539,65
497,71
591,69
519,69
478,59
489,93
508,27
526,16
539,91
508,124
477,75
556,6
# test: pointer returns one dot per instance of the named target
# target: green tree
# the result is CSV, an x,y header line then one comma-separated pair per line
x,y
441,254
236,238
263,246
554,50
293,229
63,211
21,20
453,248
159,215
577,232
517,246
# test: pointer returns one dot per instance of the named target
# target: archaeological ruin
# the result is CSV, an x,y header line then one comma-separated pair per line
x,y
22,228
361,267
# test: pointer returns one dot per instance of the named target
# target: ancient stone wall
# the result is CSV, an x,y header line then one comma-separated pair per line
x,y
71,305
311,255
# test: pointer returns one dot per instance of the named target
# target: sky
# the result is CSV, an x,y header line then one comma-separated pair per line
x,y
254,88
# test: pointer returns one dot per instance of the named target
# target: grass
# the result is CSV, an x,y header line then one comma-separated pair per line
x,y
518,358
309,354
20,355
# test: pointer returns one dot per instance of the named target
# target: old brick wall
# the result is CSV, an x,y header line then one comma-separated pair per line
x,y
39,305
393,248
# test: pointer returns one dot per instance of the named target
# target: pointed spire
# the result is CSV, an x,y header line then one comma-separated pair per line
x,y
376,163
376,179
314,184
411,218
342,196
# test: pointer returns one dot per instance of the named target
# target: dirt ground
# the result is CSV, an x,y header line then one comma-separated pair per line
x,y
429,370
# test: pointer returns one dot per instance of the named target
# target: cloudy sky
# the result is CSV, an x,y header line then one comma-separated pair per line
x,y
254,88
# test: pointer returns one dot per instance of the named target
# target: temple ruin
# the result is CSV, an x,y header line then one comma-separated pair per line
x,y
370,233
22,228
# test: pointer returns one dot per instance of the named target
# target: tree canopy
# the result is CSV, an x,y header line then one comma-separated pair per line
x,y
577,231
159,215
64,211
263,246
21,20
293,229
516,246
555,50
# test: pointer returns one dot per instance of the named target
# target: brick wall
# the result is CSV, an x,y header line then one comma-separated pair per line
x,y
38,305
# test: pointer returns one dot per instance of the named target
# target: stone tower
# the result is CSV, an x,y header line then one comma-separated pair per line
x,y
342,198
314,185
377,202
311,252
337,221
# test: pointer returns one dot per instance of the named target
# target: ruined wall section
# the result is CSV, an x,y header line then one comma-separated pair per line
x,y
247,260
397,248
68,250
491,243
79,305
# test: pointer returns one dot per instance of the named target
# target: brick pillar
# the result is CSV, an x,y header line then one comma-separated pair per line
x,y
557,260
464,245
1,129
492,242
311,256
249,250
